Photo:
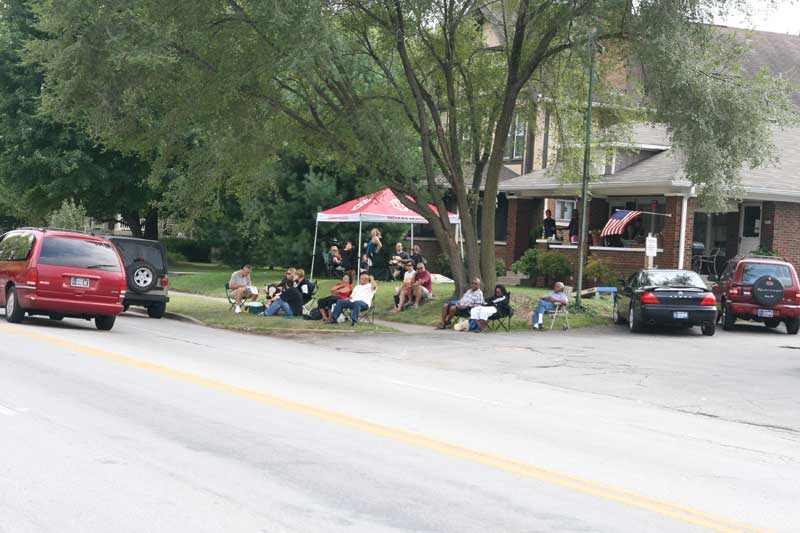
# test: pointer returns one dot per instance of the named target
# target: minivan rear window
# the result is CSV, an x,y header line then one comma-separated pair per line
x,y
752,271
78,253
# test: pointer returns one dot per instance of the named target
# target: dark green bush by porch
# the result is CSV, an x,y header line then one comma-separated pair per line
x,y
528,264
598,271
554,265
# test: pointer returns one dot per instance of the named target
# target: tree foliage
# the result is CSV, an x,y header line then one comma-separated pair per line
x,y
43,162
418,93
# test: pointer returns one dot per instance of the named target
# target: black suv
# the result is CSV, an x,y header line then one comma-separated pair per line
x,y
146,272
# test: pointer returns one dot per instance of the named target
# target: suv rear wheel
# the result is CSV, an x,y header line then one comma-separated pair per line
x,y
14,311
142,276
104,323
793,325
157,310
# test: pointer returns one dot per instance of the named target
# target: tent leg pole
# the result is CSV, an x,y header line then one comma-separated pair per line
x,y
314,250
412,238
360,225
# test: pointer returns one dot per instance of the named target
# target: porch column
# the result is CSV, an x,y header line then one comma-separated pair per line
x,y
671,234
522,218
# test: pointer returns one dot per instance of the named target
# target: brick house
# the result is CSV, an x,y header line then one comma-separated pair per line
x,y
646,174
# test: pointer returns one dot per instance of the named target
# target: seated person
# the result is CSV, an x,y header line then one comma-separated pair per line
x,y
291,299
499,304
360,299
340,291
471,298
242,287
336,259
398,261
276,288
417,257
408,279
548,303
421,288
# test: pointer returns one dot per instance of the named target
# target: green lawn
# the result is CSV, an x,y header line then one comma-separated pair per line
x,y
214,314
211,282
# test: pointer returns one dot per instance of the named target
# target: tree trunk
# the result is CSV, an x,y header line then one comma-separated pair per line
x,y
131,218
151,225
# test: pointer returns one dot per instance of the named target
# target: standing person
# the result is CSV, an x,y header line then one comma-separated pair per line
x,y
349,256
499,303
574,227
421,287
242,287
360,299
471,298
549,225
340,291
548,303
371,249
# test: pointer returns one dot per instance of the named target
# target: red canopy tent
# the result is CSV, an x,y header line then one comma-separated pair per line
x,y
379,207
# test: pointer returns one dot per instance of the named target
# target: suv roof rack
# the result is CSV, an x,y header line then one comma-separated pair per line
x,y
63,230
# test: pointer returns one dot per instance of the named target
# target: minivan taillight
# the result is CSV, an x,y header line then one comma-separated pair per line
x,y
32,277
164,281
708,299
649,298
123,286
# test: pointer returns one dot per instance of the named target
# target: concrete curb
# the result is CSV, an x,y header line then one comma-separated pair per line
x,y
169,315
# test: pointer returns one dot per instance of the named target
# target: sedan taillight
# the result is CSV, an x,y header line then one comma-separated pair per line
x,y
649,298
708,299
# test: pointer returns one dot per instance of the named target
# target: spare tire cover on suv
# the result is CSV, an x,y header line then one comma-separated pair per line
x,y
768,291
142,276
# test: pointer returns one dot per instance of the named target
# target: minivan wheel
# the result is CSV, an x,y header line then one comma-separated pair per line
x,y
793,325
14,312
104,323
728,319
157,310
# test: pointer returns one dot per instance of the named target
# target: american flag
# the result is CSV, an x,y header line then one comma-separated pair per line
x,y
616,224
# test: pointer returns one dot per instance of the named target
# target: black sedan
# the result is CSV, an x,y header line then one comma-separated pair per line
x,y
665,297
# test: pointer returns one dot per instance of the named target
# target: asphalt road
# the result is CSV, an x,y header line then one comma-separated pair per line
x,y
166,426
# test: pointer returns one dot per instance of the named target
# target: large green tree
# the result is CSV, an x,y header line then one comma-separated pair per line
x,y
420,93
44,162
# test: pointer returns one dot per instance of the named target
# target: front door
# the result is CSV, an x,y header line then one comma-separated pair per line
x,y
749,228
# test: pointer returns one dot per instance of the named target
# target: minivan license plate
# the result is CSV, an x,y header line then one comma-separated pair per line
x,y
80,282
680,314
766,313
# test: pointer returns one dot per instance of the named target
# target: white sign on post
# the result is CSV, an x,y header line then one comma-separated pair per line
x,y
651,246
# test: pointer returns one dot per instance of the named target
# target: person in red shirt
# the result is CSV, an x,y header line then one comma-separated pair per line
x,y
340,291
421,288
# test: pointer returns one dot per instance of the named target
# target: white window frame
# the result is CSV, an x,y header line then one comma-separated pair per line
x,y
515,145
560,205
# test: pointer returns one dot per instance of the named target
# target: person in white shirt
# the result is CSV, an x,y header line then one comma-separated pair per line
x,y
360,299
242,287
549,303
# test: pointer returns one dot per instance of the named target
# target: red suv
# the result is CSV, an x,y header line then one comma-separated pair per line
x,y
59,273
761,289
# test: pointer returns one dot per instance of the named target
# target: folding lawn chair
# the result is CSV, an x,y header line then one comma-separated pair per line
x,y
502,319
312,298
368,315
561,310
229,296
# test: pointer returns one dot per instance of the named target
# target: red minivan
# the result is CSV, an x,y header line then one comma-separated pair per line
x,y
59,273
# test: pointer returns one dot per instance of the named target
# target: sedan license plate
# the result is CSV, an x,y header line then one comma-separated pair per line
x,y
680,314
79,282
766,313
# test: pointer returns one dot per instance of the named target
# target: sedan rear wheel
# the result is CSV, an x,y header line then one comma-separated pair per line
x,y
708,328
617,316
634,323
14,312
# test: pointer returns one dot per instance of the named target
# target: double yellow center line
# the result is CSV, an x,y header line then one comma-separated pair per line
x,y
632,499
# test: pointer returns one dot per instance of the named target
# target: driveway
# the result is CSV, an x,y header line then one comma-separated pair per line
x,y
165,426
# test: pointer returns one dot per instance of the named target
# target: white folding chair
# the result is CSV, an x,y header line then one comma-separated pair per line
x,y
561,311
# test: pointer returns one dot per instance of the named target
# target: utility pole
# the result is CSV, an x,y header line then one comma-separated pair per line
x,y
586,167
